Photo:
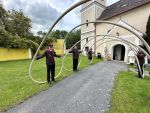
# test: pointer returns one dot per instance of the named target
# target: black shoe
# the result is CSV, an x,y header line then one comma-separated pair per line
x,y
54,80
48,82
75,70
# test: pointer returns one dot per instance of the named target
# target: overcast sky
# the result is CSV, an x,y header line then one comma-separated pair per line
x,y
44,12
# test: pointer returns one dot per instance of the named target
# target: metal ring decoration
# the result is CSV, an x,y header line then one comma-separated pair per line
x,y
98,21
80,58
131,49
107,22
120,39
106,42
110,38
138,64
81,52
127,44
69,50
49,33
119,25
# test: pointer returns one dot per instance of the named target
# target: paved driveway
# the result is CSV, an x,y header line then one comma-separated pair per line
x,y
86,91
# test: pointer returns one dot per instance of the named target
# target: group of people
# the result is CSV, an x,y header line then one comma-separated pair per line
x,y
50,61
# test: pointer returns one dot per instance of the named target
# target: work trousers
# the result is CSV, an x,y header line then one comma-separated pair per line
x,y
50,71
75,64
140,76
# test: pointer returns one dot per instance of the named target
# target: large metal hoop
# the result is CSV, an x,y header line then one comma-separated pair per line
x,y
103,39
132,48
49,32
119,25
71,8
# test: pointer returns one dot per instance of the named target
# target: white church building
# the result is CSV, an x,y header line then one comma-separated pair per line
x,y
132,14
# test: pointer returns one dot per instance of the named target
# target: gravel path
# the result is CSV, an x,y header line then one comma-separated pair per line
x,y
86,91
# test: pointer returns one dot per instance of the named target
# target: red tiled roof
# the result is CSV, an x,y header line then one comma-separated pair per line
x,y
121,7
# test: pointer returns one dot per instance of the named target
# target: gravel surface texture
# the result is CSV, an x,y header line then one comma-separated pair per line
x,y
86,91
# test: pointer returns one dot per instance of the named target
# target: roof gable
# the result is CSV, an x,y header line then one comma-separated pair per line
x,y
121,7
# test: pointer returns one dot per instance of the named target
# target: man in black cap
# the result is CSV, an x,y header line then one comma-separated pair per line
x,y
50,62
75,52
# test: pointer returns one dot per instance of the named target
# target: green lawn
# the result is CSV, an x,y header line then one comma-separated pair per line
x,y
15,85
147,69
132,66
130,94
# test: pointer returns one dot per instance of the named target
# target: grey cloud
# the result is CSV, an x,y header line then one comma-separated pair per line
x,y
42,13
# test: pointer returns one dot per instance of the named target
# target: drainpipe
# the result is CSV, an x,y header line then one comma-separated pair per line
x,y
95,39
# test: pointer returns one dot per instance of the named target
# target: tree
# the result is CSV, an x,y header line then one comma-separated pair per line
x,y
18,24
3,16
41,33
63,34
9,41
59,34
56,34
148,31
73,38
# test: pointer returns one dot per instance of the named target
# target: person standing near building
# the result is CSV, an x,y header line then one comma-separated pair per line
x,y
141,56
75,53
50,62
89,53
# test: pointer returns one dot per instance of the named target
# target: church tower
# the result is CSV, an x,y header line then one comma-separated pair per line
x,y
90,12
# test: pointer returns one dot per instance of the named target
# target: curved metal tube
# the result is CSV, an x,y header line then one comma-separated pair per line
x,y
107,22
49,32
98,21
110,38
119,25
138,64
81,52
123,42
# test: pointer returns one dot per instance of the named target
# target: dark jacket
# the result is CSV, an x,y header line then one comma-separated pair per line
x,y
75,53
140,56
90,54
50,60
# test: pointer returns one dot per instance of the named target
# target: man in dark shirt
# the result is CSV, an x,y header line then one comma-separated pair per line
x,y
90,52
75,52
50,62
140,56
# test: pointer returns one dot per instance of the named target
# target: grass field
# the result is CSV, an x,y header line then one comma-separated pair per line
x,y
15,85
130,94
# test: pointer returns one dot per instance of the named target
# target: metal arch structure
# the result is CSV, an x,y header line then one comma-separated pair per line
x,y
111,23
116,40
126,42
109,38
132,48
91,46
107,22
66,12
49,32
